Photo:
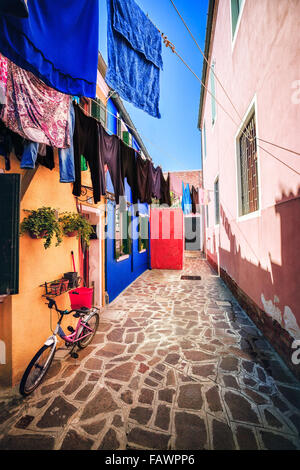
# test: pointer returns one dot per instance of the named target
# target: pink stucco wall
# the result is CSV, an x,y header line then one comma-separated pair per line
x,y
261,252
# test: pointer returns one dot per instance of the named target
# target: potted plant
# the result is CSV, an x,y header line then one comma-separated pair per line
x,y
42,223
74,224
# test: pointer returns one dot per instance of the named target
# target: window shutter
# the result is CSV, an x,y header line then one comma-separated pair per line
x,y
102,114
98,111
9,233
126,137
94,110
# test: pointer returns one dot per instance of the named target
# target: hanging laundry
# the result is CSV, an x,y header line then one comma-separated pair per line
x,y
154,188
3,80
134,55
129,169
157,179
46,156
66,156
186,199
110,151
84,166
142,179
195,200
165,190
58,43
175,185
10,142
204,197
86,142
14,7
34,110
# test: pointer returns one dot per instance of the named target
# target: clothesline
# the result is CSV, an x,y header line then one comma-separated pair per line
x,y
169,44
108,130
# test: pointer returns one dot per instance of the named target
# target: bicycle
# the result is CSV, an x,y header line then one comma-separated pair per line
x,y
81,337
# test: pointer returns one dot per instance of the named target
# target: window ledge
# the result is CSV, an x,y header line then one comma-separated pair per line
x,y
142,251
251,215
123,258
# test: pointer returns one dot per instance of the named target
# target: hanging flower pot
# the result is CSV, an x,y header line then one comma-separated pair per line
x,y
42,223
42,234
64,285
74,224
72,234
55,288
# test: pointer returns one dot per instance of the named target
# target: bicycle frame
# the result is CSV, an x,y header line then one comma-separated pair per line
x,y
72,338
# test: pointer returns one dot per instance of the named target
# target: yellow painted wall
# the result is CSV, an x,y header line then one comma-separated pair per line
x,y
24,318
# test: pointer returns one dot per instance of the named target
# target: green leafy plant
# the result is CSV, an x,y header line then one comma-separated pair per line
x,y
74,222
42,223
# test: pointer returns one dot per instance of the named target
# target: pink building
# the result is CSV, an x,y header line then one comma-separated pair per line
x,y
250,119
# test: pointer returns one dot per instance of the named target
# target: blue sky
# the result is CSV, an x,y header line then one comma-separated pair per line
x,y
174,142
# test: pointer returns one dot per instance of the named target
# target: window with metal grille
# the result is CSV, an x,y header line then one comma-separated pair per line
x,y
98,111
217,202
249,201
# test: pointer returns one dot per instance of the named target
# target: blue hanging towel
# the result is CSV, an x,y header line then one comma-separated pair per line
x,y
134,55
58,43
186,200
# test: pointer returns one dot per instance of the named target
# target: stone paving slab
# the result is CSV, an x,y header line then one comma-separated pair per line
x,y
175,365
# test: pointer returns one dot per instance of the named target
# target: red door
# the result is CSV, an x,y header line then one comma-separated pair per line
x,y
167,239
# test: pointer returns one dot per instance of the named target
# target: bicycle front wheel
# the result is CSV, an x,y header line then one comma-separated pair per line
x,y
37,369
92,326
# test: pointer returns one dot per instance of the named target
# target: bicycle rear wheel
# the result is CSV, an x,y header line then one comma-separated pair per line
x,y
93,324
37,369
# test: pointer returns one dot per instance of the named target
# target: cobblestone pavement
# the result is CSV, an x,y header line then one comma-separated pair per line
x,y
176,364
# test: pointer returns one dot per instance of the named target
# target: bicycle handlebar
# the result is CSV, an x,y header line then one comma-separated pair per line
x,y
51,303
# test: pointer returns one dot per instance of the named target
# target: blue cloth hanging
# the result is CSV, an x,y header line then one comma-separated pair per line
x,y
186,200
14,7
58,42
134,55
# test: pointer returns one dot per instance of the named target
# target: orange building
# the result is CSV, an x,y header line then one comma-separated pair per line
x,y
24,317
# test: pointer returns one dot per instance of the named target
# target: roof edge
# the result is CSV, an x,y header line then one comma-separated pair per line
x,y
102,67
209,27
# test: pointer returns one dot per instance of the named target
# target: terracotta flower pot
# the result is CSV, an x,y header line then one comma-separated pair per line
x,y
55,288
72,234
64,285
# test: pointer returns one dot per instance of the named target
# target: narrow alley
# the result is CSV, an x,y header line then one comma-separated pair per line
x,y
176,364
